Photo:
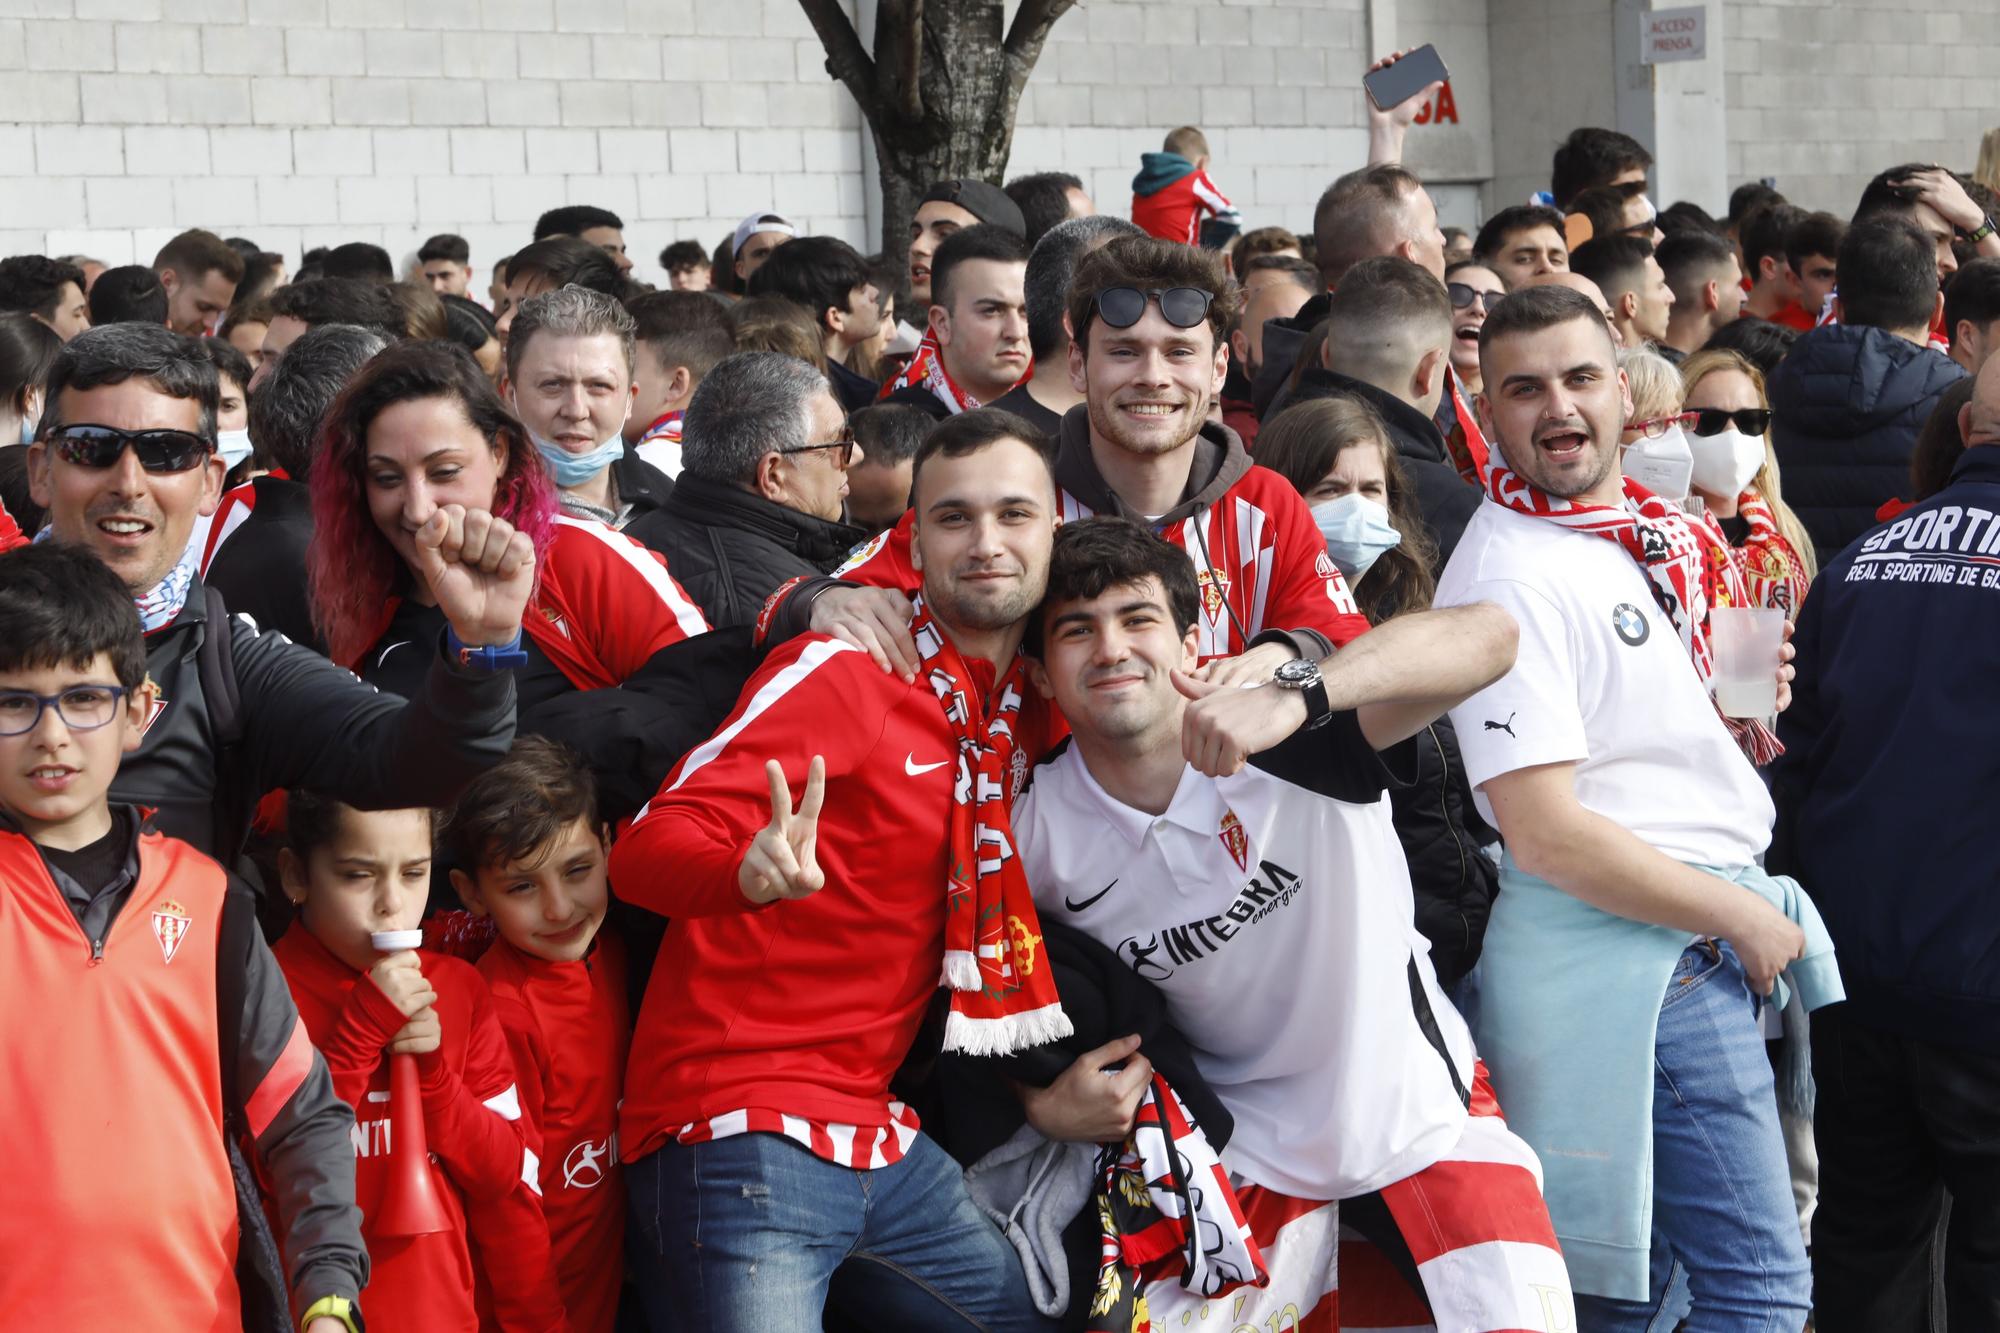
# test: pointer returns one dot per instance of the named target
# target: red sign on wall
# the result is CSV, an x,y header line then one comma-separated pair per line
x,y
1438,112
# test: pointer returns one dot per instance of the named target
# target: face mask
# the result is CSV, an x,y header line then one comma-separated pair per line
x,y
233,446
570,469
1357,530
1663,466
1724,463
28,425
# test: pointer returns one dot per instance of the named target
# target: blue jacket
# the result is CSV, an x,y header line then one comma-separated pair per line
x,y
1846,405
1892,756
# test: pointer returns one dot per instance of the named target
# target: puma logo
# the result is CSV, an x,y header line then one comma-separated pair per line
x,y
1507,726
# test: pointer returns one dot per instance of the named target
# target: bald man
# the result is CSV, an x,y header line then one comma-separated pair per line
x,y
1576,282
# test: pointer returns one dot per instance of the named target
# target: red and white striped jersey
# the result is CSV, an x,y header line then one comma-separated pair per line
x,y
859,1147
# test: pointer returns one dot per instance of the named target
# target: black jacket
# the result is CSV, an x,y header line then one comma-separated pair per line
x,y
1846,405
261,570
243,712
1444,498
854,389
1884,792
921,398
731,549
1442,834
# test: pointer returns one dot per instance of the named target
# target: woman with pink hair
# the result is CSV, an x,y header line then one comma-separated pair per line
x,y
421,429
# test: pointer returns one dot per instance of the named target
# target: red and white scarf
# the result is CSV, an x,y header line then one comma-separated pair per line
x,y
1774,576
1003,998
1688,566
926,368
1165,1207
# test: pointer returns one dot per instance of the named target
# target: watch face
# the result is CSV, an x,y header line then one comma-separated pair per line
x,y
1298,671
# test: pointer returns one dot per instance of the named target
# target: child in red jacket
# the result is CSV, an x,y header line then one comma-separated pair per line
x,y
529,852
354,873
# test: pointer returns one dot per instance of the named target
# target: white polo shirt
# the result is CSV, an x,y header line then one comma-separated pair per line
x,y
1601,680
1274,914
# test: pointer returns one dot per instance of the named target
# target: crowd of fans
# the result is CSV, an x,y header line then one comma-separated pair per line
x,y
455,863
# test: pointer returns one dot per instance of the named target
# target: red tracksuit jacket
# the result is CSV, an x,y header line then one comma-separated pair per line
x,y
570,1030
804,1007
472,1123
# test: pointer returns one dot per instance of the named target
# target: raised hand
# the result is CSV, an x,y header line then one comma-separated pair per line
x,y
1225,724
781,861
480,570
1388,126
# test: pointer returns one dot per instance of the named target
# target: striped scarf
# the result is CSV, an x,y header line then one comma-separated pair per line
x,y
1773,574
926,368
1003,998
159,605
1688,565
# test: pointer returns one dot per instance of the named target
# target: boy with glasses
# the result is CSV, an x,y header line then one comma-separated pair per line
x,y
151,955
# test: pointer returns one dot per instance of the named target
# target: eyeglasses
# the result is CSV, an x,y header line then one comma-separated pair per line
x,y
1659,426
1463,295
1122,307
103,446
845,444
81,707
1714,420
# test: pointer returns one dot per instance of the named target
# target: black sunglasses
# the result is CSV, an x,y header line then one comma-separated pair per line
x,y
103,446
1749,420
845,443
1463,295
1122,307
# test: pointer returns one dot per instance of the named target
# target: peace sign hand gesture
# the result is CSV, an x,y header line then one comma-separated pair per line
x,y
480,570
781,860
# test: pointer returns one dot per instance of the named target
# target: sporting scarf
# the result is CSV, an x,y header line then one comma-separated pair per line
x,y
1773,574
667,427
1688,566
926,368
1003,998
158,606
1164,1200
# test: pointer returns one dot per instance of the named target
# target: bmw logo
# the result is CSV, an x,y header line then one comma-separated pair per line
x,y
1631,624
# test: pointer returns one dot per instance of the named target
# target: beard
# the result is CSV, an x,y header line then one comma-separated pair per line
x,y
1134,438
985,607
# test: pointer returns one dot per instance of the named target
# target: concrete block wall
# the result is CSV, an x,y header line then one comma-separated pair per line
x,y
1824,98
311,122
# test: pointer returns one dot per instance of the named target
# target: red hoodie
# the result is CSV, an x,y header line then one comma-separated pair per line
x,y
570,1031
802,1009
472,1125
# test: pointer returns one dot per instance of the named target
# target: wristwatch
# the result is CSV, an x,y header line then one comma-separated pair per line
x,y
1302,674
488,657
333,1307
1986,229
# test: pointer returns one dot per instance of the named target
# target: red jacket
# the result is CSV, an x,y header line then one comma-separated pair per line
x,y
1173,211
804,1007
569,1030
472,1125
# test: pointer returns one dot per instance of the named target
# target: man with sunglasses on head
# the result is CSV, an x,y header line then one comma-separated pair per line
x,y
763,487
1149,357
124,462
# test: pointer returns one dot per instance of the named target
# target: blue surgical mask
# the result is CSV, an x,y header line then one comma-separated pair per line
x,y
28,424
232,446
570,469
1357,531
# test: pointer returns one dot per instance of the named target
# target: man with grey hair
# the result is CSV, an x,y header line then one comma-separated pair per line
x,y
569,379
760,498
256,551
1044,396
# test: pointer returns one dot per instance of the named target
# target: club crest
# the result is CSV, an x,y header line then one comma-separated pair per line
x,y
1235,840
170,927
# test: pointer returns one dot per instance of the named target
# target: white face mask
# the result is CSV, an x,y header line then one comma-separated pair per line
x,y
232,446
1725,462
1664,466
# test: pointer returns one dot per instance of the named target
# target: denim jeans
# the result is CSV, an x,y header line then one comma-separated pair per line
x,y
1725,1230
752,1234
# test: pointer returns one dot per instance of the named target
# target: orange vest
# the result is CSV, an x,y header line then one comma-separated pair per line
x,y
117,1208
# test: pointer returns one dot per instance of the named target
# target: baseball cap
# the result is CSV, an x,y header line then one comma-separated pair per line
x,y
755,223
988,203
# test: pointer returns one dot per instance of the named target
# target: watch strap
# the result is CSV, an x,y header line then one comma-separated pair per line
x,y
487,657
1986,228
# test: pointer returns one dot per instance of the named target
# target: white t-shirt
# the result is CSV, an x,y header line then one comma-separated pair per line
x,y
1601,679
1276,919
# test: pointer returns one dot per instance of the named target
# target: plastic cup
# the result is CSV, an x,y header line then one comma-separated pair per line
x,y
395,941
1746,641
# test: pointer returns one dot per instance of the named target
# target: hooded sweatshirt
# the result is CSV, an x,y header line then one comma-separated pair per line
x,y
1260,562
1847,403
1169,196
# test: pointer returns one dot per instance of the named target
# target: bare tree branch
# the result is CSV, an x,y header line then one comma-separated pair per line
x,y
899,42
1031,28
846,60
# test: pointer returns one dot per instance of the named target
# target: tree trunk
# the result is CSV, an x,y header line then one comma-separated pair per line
x,y
939,91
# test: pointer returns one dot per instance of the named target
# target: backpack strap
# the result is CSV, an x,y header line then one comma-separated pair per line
x,y
260,1269
215,663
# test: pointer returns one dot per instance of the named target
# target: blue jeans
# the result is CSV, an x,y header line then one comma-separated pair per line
x,y
752,1233
1725,1228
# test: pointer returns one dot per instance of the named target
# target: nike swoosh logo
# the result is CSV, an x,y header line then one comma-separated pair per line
x,y
1078,907
917,770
